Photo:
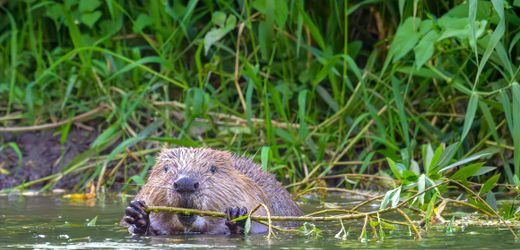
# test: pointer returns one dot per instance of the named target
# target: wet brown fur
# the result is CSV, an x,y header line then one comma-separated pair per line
x,y
238,182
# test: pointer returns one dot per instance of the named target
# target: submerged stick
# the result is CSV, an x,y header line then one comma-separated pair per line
x,y
190,211
359,215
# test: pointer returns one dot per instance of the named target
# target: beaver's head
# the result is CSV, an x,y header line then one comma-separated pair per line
x,y
201,178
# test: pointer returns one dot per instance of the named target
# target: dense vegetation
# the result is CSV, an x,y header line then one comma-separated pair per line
x,y
413,90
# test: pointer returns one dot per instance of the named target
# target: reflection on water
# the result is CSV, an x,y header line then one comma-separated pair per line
x,y
50,222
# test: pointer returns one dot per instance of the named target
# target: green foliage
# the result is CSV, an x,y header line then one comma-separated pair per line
x,y
436,169
311,84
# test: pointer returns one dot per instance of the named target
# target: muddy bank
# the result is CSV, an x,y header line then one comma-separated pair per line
x,y
42,155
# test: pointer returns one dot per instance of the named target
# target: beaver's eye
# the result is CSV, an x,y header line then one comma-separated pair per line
x,y
213,169
166,168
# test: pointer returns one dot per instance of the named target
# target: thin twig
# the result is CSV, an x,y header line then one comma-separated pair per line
x,y
190,211
237,62
356,207
410,222
235,119
334,190
77,118
487,206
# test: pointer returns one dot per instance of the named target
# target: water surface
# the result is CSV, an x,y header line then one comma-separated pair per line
x,y
51,222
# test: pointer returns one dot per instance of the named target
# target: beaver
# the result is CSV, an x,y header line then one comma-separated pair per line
x,y
206,179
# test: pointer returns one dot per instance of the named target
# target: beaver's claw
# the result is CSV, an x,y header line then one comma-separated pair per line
x,y
138,219
236,227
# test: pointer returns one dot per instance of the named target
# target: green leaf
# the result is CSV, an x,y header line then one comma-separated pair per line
x,y
393,168
489,120
90,18
414,167
71,82
4,172
218,18
427,153
454,27
366,162
421,186
484,170
266,25
448,154
16,150
425,48
405,38
281,13
247,226
302,103
137,179
327,68
215,34
435,160
497,34
429,210
136,64
489,184
315,31
142,22
515,89
506,105
92,222
388,226
491,200
465,172
88,5
516,180
133,140
479,155
106,135
69,3
470,115
393,196
324,94
514,41
65,132
396,90
472,16
55,12
266,152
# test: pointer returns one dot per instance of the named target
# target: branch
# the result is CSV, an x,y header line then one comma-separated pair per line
x,y
53,125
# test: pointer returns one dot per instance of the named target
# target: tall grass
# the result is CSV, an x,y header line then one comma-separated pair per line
x,y
309,87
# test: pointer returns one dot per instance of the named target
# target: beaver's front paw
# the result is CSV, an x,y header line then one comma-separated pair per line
x,y
236,227
138,219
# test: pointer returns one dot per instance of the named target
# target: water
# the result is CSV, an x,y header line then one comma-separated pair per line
x,y
51,222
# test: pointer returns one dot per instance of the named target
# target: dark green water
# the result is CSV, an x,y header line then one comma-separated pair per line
x,y
51,222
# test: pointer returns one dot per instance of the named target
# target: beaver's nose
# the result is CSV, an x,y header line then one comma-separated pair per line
x,y
186,185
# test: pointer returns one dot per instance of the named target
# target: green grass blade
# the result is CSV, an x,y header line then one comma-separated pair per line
x,y
315,31
489,184
302,103
396,90
497,34
470,116
265,157
515,89
14,57
482,154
